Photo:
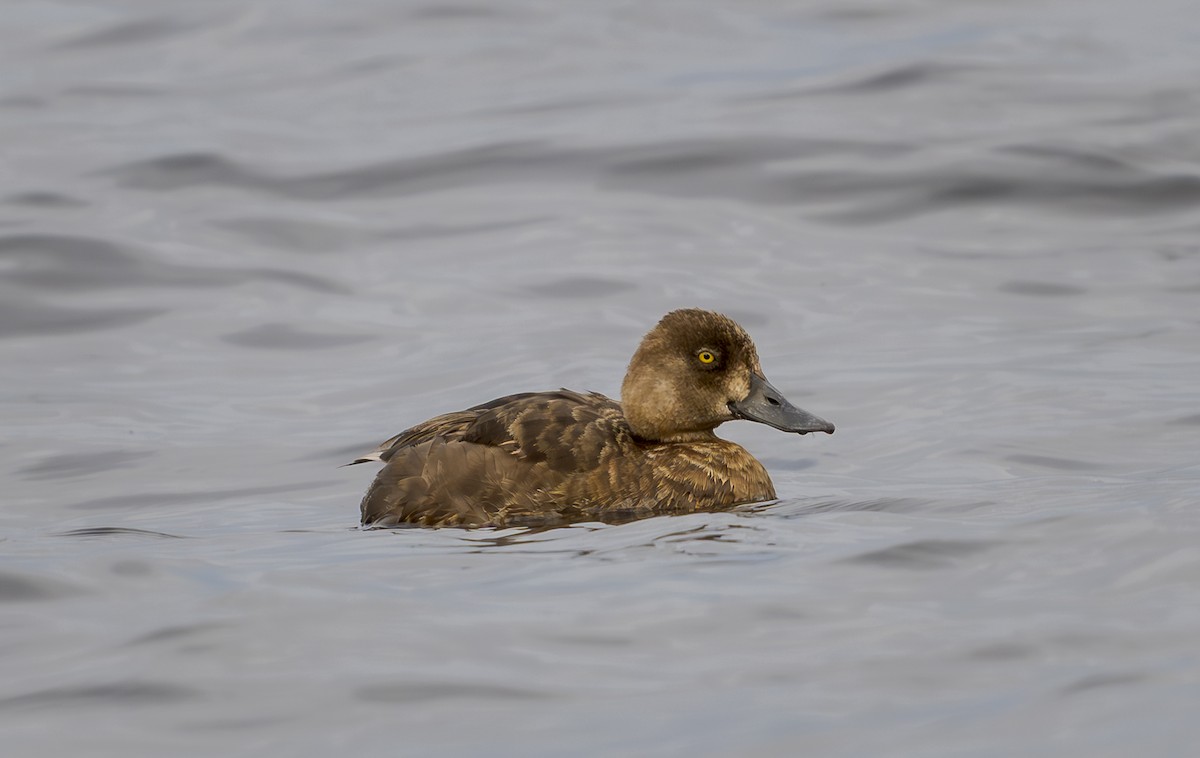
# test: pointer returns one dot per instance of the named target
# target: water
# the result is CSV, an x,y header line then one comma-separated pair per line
x,y
242,242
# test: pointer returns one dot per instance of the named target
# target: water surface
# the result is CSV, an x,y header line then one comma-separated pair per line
x,y
242,242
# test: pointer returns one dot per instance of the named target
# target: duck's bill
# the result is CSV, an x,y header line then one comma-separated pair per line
x,y
767,405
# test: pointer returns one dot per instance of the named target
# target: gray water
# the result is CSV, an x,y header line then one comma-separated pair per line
x,y
241,242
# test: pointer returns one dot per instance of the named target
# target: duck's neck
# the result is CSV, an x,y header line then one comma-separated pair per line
x,y
707,435
654,414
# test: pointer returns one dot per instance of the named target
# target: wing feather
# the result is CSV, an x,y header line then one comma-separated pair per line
x,y
535,426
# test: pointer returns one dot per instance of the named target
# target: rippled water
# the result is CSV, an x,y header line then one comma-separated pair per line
x,y
241,242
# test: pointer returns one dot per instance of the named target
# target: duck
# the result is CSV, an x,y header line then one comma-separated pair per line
x,y
563,456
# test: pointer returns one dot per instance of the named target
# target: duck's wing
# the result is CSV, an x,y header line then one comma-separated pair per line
x,y
503,460
565,429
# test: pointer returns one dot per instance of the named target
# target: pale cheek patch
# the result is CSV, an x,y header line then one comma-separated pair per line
x,y
666,400
739,387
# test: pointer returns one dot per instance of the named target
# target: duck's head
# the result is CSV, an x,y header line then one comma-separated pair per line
x,y
696,370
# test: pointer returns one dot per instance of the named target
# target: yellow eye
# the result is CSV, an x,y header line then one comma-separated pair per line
x,y
706,357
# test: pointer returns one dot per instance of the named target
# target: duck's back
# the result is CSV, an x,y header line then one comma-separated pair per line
x,y
515,458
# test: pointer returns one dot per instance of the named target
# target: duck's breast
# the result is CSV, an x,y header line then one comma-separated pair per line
x,y
710,474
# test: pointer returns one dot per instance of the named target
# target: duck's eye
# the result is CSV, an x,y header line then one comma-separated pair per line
x,y
707,357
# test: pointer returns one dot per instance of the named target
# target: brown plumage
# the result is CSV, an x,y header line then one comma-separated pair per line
x,y
551,457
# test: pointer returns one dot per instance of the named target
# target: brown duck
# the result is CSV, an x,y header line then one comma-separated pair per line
x,y
552,457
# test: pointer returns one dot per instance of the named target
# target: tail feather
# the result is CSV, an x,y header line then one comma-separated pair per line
x,y
375,457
